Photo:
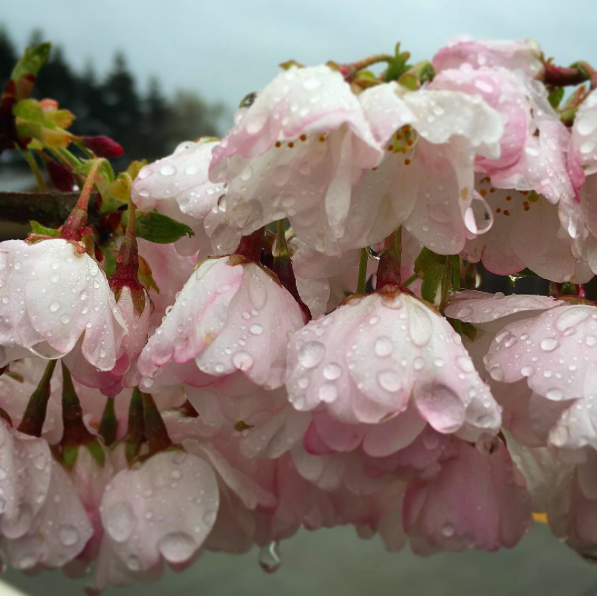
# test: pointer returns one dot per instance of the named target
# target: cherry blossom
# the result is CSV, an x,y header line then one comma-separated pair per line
x,y
54,296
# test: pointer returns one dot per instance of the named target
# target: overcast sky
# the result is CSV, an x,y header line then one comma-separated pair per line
x,y
226,48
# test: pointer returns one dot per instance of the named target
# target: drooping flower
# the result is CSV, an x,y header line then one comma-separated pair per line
x,y
426,180
477,500
178,186
231,317
52,297
373,356
296,152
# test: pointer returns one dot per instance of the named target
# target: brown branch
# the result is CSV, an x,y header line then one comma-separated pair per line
x,y
49,209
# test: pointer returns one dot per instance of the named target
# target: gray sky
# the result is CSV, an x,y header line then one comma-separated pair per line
x,y
226,48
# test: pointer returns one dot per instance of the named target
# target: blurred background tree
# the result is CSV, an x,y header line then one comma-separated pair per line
x,y
148,124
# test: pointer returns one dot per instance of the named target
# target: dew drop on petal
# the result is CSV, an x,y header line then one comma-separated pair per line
x,y
311,354
120,521
383,346
389,380
68,535
420,327
549,344
332,371
242,360
328,392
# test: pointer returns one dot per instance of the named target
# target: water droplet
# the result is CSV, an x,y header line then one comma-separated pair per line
x,y
549,344
209,517
120,521
311,354
269,558
68,535
465,363
383,346
389,380
256,329
332,371
133,563
328,392
65,319
177,547
54,306
242,360
167,170
257,293
420,326
555,394
527,371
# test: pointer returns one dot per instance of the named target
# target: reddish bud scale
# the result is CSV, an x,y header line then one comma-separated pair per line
x,y
62,178
250,246
126,274
103,146
283,269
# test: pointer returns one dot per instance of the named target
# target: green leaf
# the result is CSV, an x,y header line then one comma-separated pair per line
x,y
160,229
31,61
37,228
433,270
30,110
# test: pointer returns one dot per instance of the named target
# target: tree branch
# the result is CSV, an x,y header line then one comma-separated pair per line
x,y
49,209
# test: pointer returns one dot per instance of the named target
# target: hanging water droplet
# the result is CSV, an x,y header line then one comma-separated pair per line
x,y
177,547
478,218
269,558
68,535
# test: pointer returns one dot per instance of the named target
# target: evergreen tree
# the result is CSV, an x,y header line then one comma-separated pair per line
x,y
8,56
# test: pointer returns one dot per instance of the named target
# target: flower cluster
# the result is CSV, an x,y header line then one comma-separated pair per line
x,y
267,332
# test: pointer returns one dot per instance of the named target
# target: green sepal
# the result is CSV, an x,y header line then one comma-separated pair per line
x,y
97,452
469,330
398,66
555,96
70,453
290,63
160,229
39,229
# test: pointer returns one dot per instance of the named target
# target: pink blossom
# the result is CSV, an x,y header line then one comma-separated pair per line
x,y
162,510
426,179
348,362
52,297
178,186
297,152
520,56
475,501
231,317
